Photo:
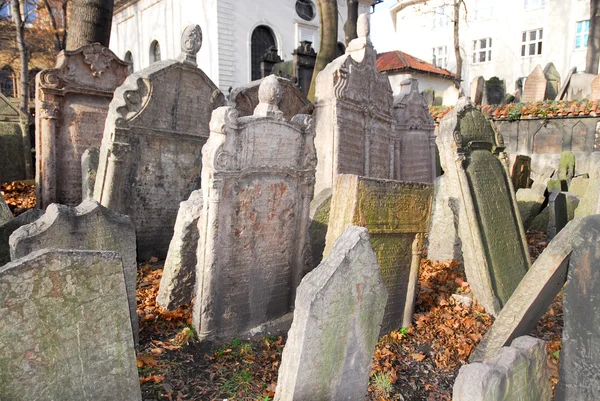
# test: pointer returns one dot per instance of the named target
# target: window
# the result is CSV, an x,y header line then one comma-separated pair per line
x,y
581,34
531,43
482,50
440,19
530,4
129,60
262,39
483,9
305,9
7,82
440,56
154,52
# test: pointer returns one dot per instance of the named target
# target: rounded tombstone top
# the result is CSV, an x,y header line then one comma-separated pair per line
x,y
363,27
270,91
191,39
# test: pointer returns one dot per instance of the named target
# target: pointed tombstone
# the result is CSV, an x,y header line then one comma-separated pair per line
x,y
413,138
477,86
495,251
534,89
150,159
257,183
553,81
443,242
89,169
339,309
179,273
65,332
88,226
70,110
580,354
353,112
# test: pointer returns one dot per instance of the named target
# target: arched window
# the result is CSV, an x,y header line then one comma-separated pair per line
x,y
262,39
154,52
129,60
340,49
305,9
7,81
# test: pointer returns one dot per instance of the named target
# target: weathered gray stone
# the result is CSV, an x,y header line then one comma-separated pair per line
x,y
595,88
530,203
339,309
179,274
566,166
494,91
561,208
396,213
534,89
65,332
540,222
9,227
580,354
443,240
532,297
553,81
257,183
521,171
319,219
89,170
13,152
88,226
150,159
519,372
557,186
5,213
579,185
540,182
477,86
70,110
590,201
495,251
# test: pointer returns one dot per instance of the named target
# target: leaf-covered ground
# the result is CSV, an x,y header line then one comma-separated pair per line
x,y
19,196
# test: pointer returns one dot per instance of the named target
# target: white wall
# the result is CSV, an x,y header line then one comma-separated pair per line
x,y
443,88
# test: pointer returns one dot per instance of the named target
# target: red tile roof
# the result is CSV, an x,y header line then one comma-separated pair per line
x,y
400,61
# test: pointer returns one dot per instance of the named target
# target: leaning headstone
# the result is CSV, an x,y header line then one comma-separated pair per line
x,y
320,207
518,372
521,171
353,112
89,169
540,180
494,90
179,273
443,242
590,201
530,203
5,213
579,185
396,213
10,226
534,89
70,110
477,86
595,88
257,183
566,167
562,92
413,140
556,185
533,296
88,226
339,309
150,158
65,331
561,208
553,81
580,354
495,251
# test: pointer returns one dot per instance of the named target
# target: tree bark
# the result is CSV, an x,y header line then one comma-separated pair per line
x,y
593,45
459,60
328,15
89,21
350,25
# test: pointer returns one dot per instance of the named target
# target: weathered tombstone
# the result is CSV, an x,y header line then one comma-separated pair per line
x,y
10,226
320,207
579,185
304,58
413,137
89,169
540,182
553,81
590,201
561,208
530,203
429,96
532,297
443,242
268,60
396,213
150,158
521,172
596,88
555,185
494,90
534,89
179,273
338,313
518,372
566,167
70,110
245,99
65,329
540,222
353,111
495,251
477,85
15,147
5,213
562,92
257,183
580,354
88,226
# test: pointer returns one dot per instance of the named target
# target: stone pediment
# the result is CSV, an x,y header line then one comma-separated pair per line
x,y
411,110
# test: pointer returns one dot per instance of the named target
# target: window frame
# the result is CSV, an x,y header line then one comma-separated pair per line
x,y
527,41
478,51
438,55
583,35
440,19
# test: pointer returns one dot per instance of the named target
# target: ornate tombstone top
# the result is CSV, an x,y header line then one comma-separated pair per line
x,y
191,42
411,111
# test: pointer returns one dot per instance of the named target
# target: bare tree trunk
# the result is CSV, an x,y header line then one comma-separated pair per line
x,y
329,27
89,22
350,25
24,84
59,44
459,60
593,45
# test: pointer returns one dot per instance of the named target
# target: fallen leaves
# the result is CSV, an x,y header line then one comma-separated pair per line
x,y
19,196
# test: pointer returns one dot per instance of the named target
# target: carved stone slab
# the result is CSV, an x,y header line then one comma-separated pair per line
x,y
534,89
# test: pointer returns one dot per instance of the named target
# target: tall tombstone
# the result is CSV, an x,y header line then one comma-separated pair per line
x,y
477,90
495,251
88,226
566,166
521,171
15,156
338,313
534,89
353,111
150,158
65,331
595,88
494,90
443,242
89,169
268,60
553,81
257,183
580,354
70,110
413,138
396,213
304,58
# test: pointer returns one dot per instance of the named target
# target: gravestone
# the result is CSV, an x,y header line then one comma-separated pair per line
x,y
579,185
534,89
580,354
257,183
268,60
70,110
339,309
5,213
530,203
557,186
15,148
553,81
562,92
590,202
88,226
540,222
353,112
179,274
304,58
150,159
477,87
495,252
443,243
10,226
320,207
65,329
566,167
518,372
494,91
533,296
540,182
595,89
396,213
413,139
561,208
521,172
89,169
